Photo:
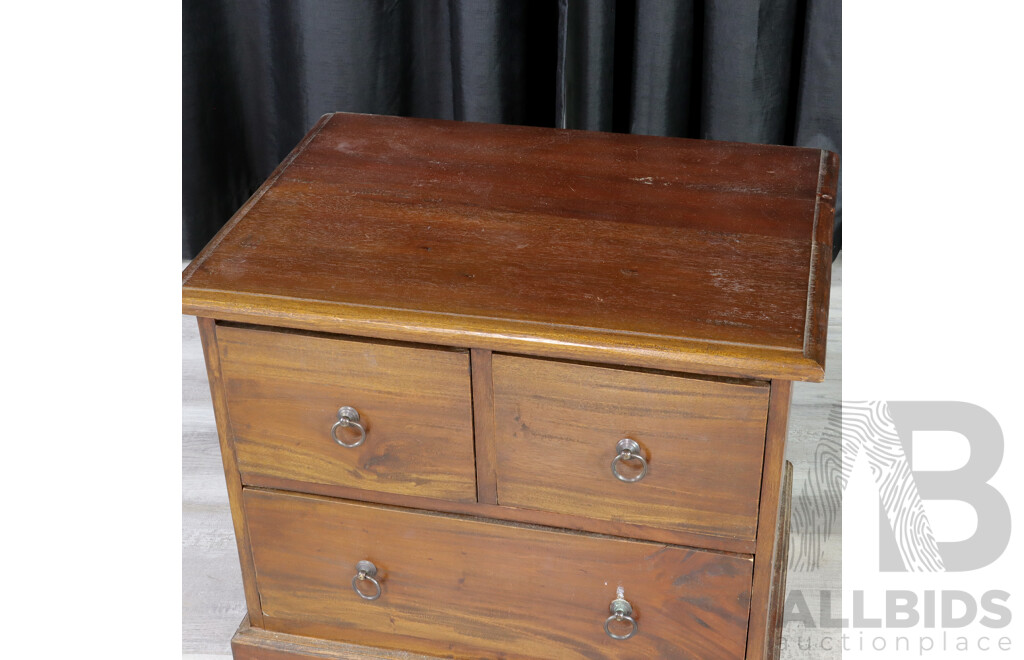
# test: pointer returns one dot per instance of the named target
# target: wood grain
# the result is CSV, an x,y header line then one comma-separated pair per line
x,y
251,643
483,426
210,340
582,522
819,281
194,265
470,588
760,634
283,391
777,604
557,425
213,599
677,255
656,252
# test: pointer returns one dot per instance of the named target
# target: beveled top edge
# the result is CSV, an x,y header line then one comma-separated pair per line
x,y
634,349
665,353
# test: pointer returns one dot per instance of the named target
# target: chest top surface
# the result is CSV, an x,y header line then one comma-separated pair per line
x,y
710,257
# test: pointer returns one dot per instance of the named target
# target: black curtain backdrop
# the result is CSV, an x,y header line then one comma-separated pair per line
x,y
258,73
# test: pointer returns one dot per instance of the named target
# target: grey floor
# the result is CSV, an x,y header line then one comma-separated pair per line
x,y
212,600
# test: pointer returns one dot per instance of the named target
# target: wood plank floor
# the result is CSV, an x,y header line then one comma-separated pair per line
x,y
212,599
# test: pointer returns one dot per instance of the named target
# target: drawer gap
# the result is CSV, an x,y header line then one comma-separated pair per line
x,y
495,521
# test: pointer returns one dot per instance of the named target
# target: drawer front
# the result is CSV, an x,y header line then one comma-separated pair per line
x,y
284,391
558,427
471,588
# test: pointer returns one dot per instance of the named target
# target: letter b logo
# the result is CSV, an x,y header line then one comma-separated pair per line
x,y
967,484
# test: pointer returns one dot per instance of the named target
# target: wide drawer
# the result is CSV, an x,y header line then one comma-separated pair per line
x,y
472,588
284,391
558,428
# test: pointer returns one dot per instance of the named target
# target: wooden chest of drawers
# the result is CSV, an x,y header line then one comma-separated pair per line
x,y
494,391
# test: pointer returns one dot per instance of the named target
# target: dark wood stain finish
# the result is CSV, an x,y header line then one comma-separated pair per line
x,y
777,604
503,304
472,588
772,510
665,253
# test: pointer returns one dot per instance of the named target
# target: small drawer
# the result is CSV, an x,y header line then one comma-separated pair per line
x,y
285,391
468,588
562,428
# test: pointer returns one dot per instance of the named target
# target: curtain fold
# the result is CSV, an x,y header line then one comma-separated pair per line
x,y
749,49
585,71
258,73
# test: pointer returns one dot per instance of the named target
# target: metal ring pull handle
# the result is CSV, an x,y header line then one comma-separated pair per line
x,y
366,572
628,450
621,611
347,416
